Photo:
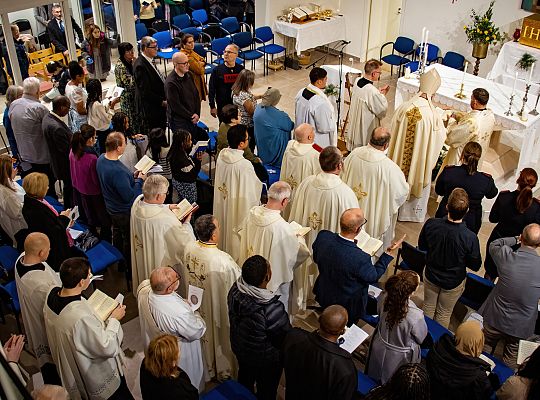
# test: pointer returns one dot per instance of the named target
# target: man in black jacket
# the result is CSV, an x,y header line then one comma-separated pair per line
x,y
58,137
315,366
258,326
56,30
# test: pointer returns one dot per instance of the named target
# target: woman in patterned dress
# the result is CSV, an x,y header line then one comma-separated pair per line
x,y
124,79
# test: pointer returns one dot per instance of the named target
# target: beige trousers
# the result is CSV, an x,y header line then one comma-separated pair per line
x,y
439,303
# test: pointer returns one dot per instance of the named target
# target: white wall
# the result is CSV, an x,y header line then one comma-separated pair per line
x,y
445,21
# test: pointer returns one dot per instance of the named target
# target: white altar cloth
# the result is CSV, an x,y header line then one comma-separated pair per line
x,y
313,34
527,131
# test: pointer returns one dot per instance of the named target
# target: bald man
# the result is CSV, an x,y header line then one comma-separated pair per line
x,y
162,310
183,101
378,183
34,279
316,367
510,311
300,160
345,270
50,392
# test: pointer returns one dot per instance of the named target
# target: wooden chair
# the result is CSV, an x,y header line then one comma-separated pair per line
x,y
39,71
37,56
53,57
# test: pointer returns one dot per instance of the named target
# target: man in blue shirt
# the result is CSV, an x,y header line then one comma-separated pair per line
x,y
120,188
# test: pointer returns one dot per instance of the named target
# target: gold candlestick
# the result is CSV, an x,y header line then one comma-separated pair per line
x,y
460,94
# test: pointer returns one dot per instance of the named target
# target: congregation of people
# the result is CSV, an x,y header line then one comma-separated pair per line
x,y
257,269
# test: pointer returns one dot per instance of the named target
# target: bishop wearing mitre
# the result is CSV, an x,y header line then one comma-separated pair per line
x,y
236,188
158,238
264,232
319,202
300,160
474,126
379,185
368,106
418,135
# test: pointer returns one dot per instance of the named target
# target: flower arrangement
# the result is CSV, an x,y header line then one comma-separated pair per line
x,y
482,29
331,90
526,61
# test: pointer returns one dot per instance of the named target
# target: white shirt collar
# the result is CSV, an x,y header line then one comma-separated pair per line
x,y
150,60
343,237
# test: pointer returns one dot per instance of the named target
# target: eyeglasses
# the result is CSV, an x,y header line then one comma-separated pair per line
x,y
184,63
176,280
229,52
152,47
365,222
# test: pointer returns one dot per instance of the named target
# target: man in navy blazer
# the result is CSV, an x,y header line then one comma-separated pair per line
x,y
345,270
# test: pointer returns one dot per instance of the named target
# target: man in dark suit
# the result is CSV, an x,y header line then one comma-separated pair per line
x,y
57,31
58,137
150,101
345,270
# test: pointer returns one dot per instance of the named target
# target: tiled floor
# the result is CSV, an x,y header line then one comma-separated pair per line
x,y
289,82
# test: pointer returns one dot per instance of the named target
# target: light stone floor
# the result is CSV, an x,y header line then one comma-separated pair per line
x,y
289,82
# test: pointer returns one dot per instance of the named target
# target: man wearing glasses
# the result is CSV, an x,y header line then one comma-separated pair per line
x,y
221,81
345,270
368,106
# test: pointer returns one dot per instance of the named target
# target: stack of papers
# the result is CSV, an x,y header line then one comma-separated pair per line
x,y
352,338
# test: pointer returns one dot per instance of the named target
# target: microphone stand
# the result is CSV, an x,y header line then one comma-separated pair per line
x,y
340,58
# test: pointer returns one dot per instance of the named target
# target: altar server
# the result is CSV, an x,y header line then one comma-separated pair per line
x,y
301,159
236,188
368,106
319,202
34,279
418,135
264,232
314,107
213,270
379,185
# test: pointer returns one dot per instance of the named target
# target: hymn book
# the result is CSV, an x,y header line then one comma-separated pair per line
x,y
298,229
200,146
102,304
525,350
184,209
144,164
489,361
367,243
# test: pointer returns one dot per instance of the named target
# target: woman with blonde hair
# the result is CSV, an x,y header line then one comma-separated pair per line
x,y
196,64
246,101
160,377
401,329
11,200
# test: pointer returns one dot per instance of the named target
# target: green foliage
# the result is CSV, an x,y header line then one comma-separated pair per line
x,y
526,61
331,90
482,29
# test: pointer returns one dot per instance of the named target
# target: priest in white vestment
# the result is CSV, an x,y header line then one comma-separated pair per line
x,y
162,310
313,106
379,185
319,202
265,233
418,135
300,160
236,188
474,126
34,279
158,238
368,106
213,270
86,350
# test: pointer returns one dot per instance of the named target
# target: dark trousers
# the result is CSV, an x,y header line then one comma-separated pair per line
x,y
121,237
67,191
44,169
50,374
252,142
265,376
122,393
101,137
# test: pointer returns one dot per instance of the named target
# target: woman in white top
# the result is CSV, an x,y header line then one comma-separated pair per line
x,y
246,101
11,200
147,14
77,96
159,144
98,114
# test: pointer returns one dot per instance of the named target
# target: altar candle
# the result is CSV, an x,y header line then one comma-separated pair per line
x,y
464,72
530,74
426,38
423,34
515,81
426,46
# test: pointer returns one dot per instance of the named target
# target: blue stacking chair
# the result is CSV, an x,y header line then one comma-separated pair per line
x,y
200,18
264,35
164,41
181,22
10,298
231,25
8,257
229,390
245,41
102,256
453,60
365,383
198,35
404,47
140,30
161,25
209,67
411,259
477,290
433,55
217,46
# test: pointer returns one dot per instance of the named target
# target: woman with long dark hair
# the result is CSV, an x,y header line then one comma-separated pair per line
x,y
99,48
158,150
401,329
86,189
246,101
525,384
466,176
184,168
98,114
136,143
409,382
124,78
77,96
512,212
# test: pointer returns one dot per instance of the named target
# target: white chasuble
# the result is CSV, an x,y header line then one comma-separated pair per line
x,y
236,190
380,186
418,135
33,289
300,160
158,238
215,271
475,126
319,202
264,232
86,350
312,106
368,108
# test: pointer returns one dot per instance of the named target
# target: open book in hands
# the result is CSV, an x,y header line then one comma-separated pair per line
x,y
367,243
184,209
144,164
298,229
200,146
104,305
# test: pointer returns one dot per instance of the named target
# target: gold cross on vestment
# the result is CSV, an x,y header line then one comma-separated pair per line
x,y
360,194
315,221
291,181
224,191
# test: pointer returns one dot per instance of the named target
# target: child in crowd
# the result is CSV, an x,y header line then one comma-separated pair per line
x,y
98,114
98,48
59,75
158,150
